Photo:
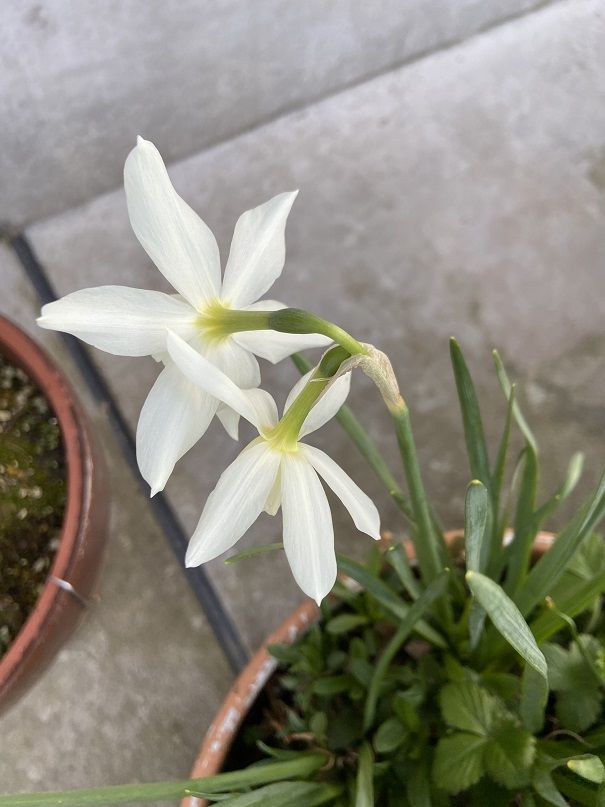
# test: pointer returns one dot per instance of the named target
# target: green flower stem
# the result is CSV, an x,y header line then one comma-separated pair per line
x,y
429,542
366,446
430,545
303,766
295,320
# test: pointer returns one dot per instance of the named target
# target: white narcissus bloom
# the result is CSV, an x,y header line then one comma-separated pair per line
x,y
268,474
134,322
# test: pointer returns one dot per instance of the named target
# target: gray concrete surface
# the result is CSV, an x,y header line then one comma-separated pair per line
x,y
463,193
81,80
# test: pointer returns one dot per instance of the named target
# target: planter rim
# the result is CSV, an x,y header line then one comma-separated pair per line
x,y
248,685
81,480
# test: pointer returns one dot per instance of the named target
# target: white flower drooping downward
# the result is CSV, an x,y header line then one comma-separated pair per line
x,y
134,322
270,473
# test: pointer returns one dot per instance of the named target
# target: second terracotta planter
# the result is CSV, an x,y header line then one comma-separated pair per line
x,y
77,560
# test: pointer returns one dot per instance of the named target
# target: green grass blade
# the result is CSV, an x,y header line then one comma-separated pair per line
x,y
552,564
435,590
476,512
578,597
519,553
366,446
305,765
286,794
471,417
518,415
502,456
507,619
364,786
572,477
397,557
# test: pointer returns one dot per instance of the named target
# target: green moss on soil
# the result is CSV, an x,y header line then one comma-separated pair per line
x,y
32,496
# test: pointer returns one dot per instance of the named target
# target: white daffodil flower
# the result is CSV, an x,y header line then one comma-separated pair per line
x,y
206,311
272,472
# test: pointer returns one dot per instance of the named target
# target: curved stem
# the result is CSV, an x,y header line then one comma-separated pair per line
x,y
295,320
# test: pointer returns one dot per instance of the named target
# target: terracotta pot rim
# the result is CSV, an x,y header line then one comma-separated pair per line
x,y
26,354
248,685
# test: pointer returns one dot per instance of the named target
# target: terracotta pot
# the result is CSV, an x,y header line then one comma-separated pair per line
x,y
244,692
84,529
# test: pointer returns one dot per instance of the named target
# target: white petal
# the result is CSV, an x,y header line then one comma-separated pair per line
x,y
273,502
361,508
264,305
258,251
327,405
208,377
308,529
235,361
173,235
297,389
120,320
174,416
230,420
265,408
275,346
235,503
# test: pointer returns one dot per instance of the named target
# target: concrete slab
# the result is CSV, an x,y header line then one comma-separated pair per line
x,y
461,195
118,672
79,82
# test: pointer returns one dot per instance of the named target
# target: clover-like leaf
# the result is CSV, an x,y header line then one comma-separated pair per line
x,y
458,762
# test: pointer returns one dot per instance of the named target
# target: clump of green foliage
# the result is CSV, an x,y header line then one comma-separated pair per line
x,y
481,682
32,496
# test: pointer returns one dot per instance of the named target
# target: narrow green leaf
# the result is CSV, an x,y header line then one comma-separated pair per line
x,y
578,597
286,794
476,509
582,792
519,556
552,564
364,796
589,767
304,765
507,619
387,598
500,467
397,557
534,696
545,787
343,623
476,623
415,612
572,477
366,446
458,762
254,551
471,417
518,415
